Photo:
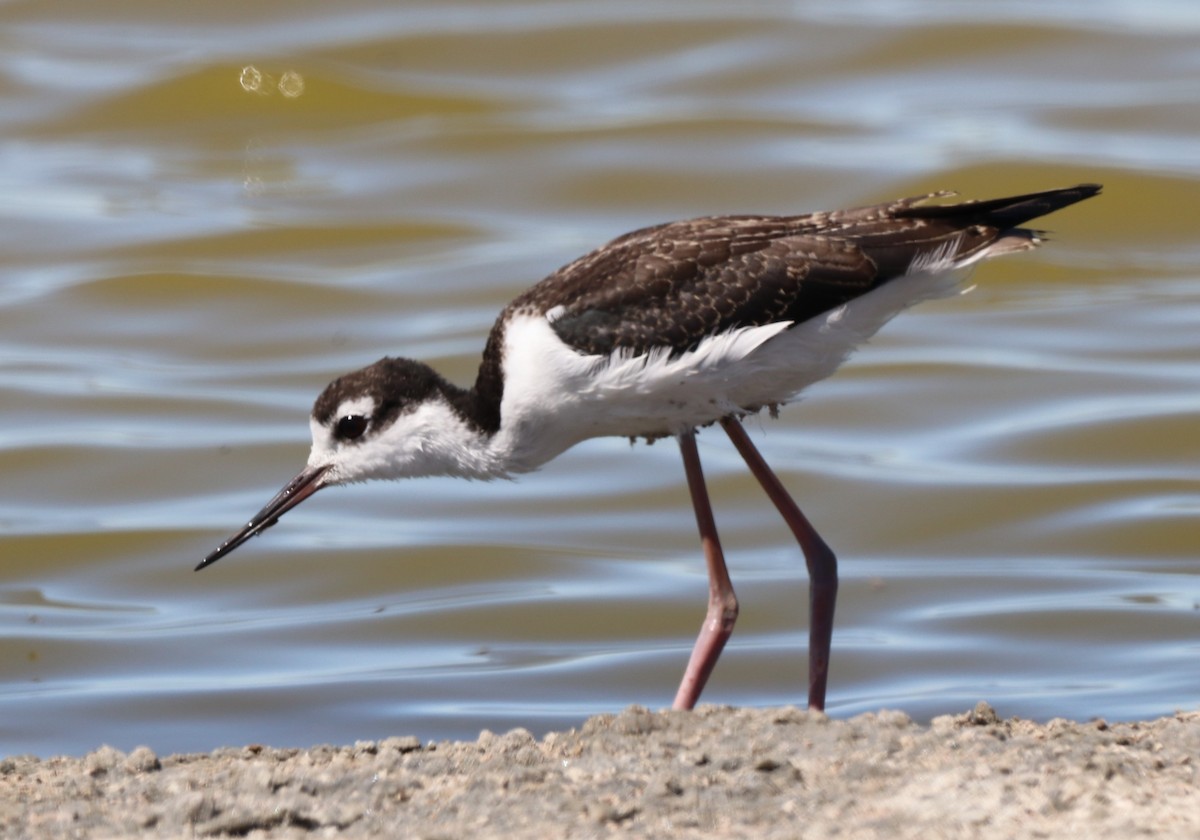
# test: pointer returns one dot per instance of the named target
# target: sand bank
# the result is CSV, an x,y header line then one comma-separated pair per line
x,y
717,772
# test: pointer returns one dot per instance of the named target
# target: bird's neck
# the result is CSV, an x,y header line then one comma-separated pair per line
x,y
463,434
501,427
482,442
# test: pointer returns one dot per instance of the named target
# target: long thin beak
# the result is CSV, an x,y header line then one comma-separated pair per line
x,y
297,490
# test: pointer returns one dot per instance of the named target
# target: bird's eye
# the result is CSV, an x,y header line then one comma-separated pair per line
x,y
351,426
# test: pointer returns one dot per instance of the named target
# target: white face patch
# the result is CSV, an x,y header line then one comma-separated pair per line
x,y
363,406
325,446
322,444
428,439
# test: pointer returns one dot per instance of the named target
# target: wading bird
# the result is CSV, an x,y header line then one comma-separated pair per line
x,y
660,332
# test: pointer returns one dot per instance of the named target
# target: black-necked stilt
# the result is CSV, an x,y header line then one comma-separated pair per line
x,y
659,332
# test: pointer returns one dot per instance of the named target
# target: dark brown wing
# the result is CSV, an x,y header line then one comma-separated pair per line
x,y
674,284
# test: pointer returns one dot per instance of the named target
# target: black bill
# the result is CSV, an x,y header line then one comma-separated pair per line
x,y
296,491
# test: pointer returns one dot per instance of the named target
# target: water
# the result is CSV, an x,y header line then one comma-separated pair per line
x,y
208,217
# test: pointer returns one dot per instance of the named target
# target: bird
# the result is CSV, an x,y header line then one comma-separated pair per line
x,y
663,331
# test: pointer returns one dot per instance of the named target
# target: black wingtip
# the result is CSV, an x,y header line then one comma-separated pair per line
x,y
1010,211
1070,195
1021,209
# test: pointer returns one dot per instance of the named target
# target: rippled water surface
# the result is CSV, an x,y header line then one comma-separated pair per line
x,y
212,210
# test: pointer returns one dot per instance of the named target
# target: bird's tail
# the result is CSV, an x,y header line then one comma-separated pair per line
x,y
991,228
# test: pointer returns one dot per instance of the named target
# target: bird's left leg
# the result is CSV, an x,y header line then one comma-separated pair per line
x,y
722,603
820,559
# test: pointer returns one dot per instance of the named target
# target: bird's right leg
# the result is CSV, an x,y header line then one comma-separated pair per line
x,y
820,559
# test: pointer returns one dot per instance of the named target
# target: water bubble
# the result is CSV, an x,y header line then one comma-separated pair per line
x,y
291,84
251,79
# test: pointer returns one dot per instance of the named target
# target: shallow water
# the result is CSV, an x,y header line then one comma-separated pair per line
x,y
209,216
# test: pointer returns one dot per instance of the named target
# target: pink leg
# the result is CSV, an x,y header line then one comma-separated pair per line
x,y
722,603
821,562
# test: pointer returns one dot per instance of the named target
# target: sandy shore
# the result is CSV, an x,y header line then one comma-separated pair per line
x,y
717,772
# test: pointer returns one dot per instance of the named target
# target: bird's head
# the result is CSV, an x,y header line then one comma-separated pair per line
x,y
393,419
